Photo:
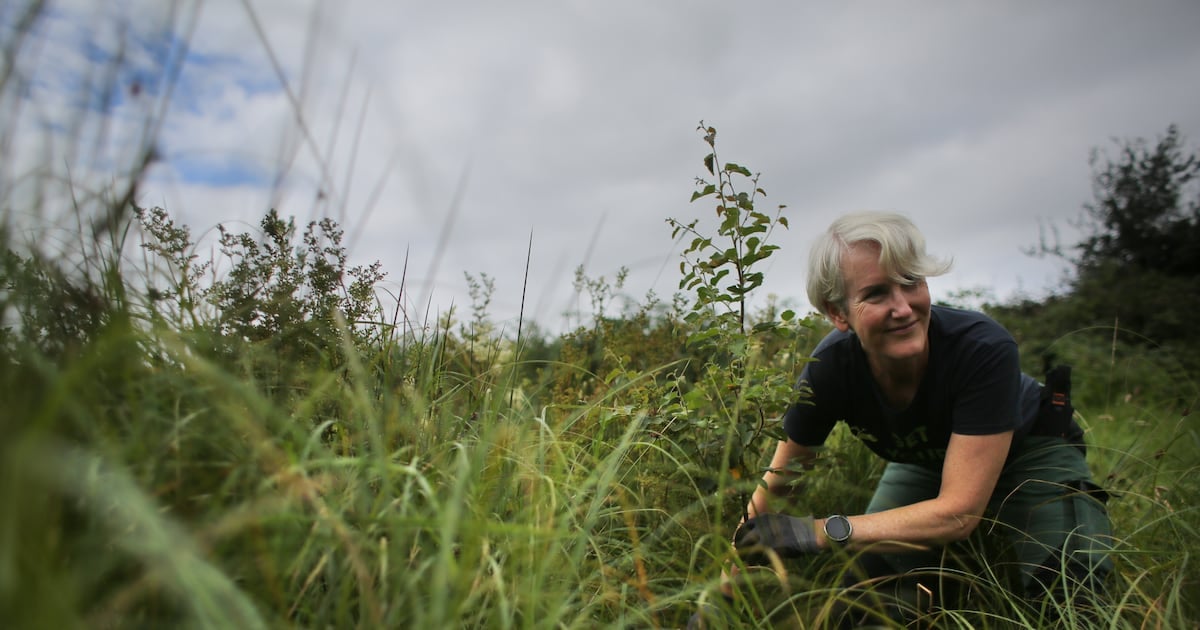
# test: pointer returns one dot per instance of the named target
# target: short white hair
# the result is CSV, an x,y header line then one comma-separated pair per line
x,y
901,254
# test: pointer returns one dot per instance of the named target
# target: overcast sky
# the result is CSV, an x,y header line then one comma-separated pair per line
x,y
451,132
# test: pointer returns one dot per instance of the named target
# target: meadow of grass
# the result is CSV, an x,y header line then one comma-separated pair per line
x,y
275,448
160,471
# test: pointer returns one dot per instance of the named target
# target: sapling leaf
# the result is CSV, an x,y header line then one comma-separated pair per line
x,y
754,229
765,326
704,192
737,168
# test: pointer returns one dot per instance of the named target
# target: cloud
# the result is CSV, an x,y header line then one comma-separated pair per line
x,y
575,122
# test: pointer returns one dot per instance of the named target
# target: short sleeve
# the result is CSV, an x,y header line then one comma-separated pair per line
x,y
990,390
808,421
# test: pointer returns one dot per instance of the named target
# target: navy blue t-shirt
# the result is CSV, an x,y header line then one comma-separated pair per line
x,y
973,385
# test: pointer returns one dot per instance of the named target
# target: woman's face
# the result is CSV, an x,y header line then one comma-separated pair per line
x,y
890,319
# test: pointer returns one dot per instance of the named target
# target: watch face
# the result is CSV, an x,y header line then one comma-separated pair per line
x,y
837,528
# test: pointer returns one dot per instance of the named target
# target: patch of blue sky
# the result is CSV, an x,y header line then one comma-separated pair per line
x,y
254,84
224,171
118,61
95,76
251,73
206,75
144,62
93,69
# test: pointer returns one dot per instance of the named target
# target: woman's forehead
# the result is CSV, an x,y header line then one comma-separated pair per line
x,y
863,264
862,260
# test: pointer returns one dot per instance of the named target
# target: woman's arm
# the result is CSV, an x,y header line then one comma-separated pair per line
x,y
777,476
969,475
787,452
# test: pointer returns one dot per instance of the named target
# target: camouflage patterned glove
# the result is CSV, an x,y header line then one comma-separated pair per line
x,y
788,536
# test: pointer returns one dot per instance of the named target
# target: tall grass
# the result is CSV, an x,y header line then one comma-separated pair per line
x,y
175,492
180,494
158,471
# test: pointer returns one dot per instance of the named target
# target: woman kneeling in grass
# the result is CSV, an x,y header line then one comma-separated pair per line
x,y
937,392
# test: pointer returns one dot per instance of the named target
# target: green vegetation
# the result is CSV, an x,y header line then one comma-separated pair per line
x,y
269,447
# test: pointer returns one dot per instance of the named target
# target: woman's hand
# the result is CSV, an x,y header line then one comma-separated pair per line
x,y
788,536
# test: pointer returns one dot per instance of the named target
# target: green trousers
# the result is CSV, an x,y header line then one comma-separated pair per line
x,y
1045,524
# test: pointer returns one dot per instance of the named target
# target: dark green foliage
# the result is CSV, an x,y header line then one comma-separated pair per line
x,y
179,269
1146,212
1137,268
51,308
291,295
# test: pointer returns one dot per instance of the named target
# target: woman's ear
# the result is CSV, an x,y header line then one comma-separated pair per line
x,y
836,316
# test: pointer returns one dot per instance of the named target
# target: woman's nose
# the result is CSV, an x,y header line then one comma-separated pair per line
x,y
900,306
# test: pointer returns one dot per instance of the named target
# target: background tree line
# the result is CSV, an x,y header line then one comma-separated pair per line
x,y
1136,271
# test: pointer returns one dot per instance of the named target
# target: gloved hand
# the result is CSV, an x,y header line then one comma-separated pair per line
x,y
788,536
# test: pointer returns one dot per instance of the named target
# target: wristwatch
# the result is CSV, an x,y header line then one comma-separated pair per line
x,y
838,528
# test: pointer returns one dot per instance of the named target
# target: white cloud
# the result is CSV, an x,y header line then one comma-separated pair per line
x,y
575,120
